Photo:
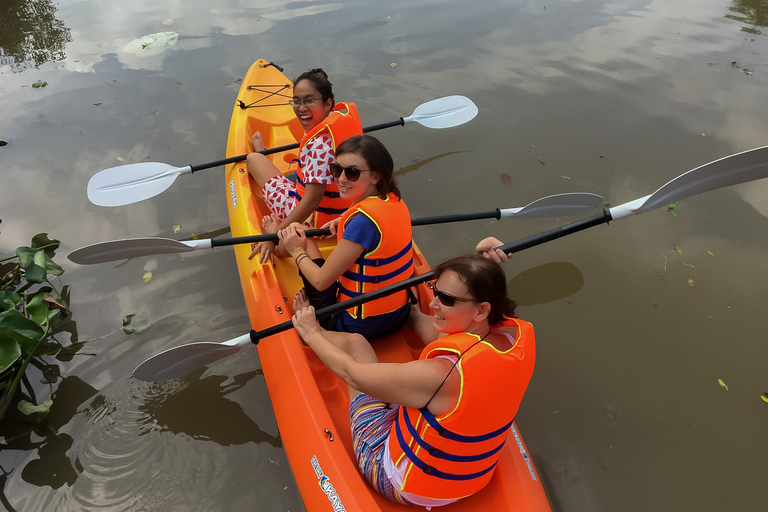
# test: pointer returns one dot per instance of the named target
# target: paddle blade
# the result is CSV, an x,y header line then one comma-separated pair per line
x,y
558,205
116,250
444,112
730,170
179,361
127,184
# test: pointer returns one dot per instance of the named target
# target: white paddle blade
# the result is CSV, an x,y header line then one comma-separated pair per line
x,y
179,361
444,112
117,250
127,184
730,170
558,205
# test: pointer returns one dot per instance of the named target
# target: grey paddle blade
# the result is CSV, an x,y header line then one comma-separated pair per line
x,y
116,250
558,205
179,361
444,112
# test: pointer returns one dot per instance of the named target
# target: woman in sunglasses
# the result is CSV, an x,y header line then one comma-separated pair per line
x,y
373,247
314,198
442,440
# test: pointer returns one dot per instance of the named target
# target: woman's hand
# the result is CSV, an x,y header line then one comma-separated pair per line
x,y
332,225
266,251
293,239
305,322
486,246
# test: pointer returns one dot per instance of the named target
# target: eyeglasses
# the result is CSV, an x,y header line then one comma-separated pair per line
x,y
352,173
307,102
448,300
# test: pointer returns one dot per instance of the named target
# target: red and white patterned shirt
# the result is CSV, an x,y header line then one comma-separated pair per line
x,y
316,157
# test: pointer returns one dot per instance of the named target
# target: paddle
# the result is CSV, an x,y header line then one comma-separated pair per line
x,y
127,184
738,168
115,250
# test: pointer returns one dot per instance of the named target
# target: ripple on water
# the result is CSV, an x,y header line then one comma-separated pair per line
x,y
122,454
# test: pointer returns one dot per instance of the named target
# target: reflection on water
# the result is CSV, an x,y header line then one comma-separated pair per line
x,y
30,34
752,12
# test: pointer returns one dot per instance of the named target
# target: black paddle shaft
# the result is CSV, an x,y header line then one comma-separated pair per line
x,y
287,147
603,217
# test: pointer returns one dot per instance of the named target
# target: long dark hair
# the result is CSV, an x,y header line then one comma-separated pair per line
x,y
378,159
319,79
485,282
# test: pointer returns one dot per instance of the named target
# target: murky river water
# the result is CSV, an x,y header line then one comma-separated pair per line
x,y
635,321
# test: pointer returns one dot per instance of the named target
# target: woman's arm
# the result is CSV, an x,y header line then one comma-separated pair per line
x,y
411,384
294,241
313,194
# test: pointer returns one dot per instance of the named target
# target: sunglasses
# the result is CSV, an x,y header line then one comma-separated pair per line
x,y
448,300
352,173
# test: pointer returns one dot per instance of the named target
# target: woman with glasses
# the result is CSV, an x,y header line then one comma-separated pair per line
x,y
373,247
314,198
429,432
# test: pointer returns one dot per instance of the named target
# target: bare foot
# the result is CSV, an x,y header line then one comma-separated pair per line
x,y
257,142
300,300
269,224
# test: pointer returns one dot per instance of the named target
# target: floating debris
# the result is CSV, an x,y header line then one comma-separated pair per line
x,y
152,44
722,384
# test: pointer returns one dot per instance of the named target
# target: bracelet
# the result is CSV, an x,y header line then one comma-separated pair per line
x,y
300,257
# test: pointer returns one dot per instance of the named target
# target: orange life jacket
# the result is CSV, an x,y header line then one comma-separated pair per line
x,y
342,123
389,263
453,456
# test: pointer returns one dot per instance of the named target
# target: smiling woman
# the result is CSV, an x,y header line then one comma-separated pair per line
x,y
373,244
442,442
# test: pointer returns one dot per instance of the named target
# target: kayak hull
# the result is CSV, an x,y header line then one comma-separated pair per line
x,y
309,401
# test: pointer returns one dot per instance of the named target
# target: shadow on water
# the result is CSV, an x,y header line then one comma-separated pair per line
x,y
198,411
30,34
753,13
545,283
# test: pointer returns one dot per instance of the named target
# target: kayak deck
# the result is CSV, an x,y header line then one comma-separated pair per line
x,y
310,402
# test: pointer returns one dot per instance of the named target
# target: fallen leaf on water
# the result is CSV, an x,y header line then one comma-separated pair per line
x,y
147,276
672,209
168,22
690,282
179,83
238,79
722,384
765,397
39,84
710,253
540,160
3,143
506,179
152,44
679,250
176,228
120,159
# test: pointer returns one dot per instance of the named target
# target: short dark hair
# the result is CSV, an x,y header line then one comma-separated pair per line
x,y
485,282
370,149
319,80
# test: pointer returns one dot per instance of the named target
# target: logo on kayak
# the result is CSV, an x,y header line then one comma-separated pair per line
x,y
524,453
327,486
233,193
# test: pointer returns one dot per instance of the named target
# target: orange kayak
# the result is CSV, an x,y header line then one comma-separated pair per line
x,y
309,401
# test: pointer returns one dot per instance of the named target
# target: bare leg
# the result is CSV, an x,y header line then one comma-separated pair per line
x,y
356,346
259,166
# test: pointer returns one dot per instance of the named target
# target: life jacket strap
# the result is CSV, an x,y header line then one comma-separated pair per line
x,y
444,432
362,278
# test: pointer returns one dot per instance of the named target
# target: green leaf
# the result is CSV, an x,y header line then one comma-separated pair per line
x,y
12,320
39,84
26,256
679,250
127,319
9,299
52,267
3,143
10,352
42,240
28,408
37,309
